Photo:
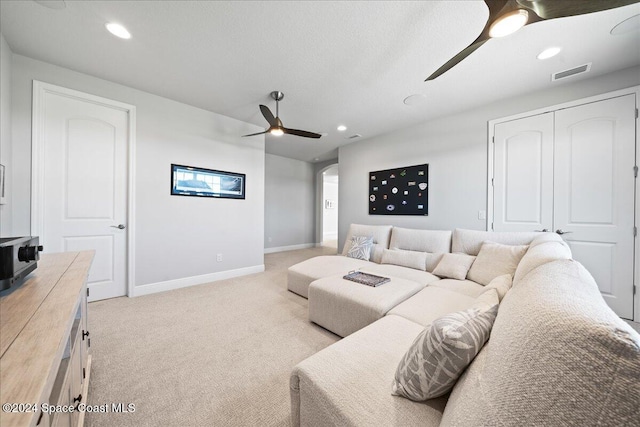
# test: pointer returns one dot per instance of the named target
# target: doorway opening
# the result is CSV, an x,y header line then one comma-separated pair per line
x,y
329,208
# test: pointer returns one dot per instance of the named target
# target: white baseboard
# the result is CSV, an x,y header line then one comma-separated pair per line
x,y
288,248
153,288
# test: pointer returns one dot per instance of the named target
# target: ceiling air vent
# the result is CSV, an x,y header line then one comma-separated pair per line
x,y
354,136
572,72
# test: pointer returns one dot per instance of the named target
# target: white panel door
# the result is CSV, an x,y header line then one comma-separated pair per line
x,y
523,174
84,184
594,193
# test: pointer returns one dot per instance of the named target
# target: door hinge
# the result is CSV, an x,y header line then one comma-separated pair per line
x,y
635,171
635,231
492,184
493,138
634,289
491,226
87,291
636,113
84,373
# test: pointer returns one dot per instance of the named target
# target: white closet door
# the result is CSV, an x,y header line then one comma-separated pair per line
x,y
523,174
594,193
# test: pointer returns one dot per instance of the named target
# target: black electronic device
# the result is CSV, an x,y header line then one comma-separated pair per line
x,y
18,257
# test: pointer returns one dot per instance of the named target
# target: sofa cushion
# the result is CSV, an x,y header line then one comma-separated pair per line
x,y
360,247
543,249
389,270
454,266
300,276
494,260
431,303
410,259
443,351
466,287
380,233
436,241
470,241
501,284
347,384
343,306
558,355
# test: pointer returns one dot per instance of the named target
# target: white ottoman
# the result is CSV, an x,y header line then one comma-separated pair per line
x,y
343,306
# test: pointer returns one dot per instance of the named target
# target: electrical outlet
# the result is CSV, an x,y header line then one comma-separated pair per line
x,y
482,214
219,258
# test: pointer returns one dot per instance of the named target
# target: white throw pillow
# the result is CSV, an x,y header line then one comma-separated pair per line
x,y
433,259
360,247
501,284
495,259
454,266
411,259
441,352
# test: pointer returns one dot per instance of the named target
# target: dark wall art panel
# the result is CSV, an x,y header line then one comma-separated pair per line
x,y
201,182
401,191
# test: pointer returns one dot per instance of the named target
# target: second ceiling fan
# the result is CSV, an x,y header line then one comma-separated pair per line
x,y
275,124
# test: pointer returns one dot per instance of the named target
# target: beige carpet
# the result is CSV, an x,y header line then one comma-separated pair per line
x,y
218,354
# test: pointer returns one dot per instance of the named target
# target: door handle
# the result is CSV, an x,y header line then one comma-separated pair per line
x,y
119,226
561,232
544,230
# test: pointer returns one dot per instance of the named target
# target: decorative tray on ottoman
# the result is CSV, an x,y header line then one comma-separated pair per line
x,y
366,278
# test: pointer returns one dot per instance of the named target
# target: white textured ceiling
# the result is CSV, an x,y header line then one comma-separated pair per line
x,y
338,62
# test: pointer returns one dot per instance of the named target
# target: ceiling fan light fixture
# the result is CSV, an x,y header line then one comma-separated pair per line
x,y
509,23
276,132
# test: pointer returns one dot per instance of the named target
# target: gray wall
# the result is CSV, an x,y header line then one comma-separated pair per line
x,y
6,229
456,149
176,237
289,202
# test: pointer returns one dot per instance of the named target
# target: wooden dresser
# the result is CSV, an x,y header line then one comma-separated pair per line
x,y
44,344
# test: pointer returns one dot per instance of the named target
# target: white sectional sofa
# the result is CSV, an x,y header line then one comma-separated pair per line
x,y
557,355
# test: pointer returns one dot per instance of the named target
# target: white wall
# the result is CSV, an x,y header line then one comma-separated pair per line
x,y
456,149
330,216
6,229
176,237
289,203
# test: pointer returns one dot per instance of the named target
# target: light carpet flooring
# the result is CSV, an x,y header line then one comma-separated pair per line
x,y
218,354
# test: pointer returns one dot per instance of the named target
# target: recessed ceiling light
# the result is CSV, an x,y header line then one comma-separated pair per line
x,y
316,159
415,99
549,52
342,128
118,30
627,26
509,23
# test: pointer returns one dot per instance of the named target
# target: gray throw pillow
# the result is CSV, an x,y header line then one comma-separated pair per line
x,y
360,247
441,352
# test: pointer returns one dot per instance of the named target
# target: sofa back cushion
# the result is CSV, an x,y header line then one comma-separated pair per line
x,y
380,233
470,241
543,249
434,241
557,355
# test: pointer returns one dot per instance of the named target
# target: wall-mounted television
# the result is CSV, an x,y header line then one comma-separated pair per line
x,y
201,182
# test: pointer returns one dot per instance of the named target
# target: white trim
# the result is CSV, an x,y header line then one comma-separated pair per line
x,y
37,156
169,285
289,248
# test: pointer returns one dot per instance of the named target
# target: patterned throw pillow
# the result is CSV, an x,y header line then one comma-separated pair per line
x,y
441,352
360,247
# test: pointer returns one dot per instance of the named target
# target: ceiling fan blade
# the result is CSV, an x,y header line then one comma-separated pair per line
x,y
302,133
496,8
550,9
268,115
459,57
254,134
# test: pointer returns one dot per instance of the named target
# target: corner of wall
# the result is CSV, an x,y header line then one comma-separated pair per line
x,y
6,152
